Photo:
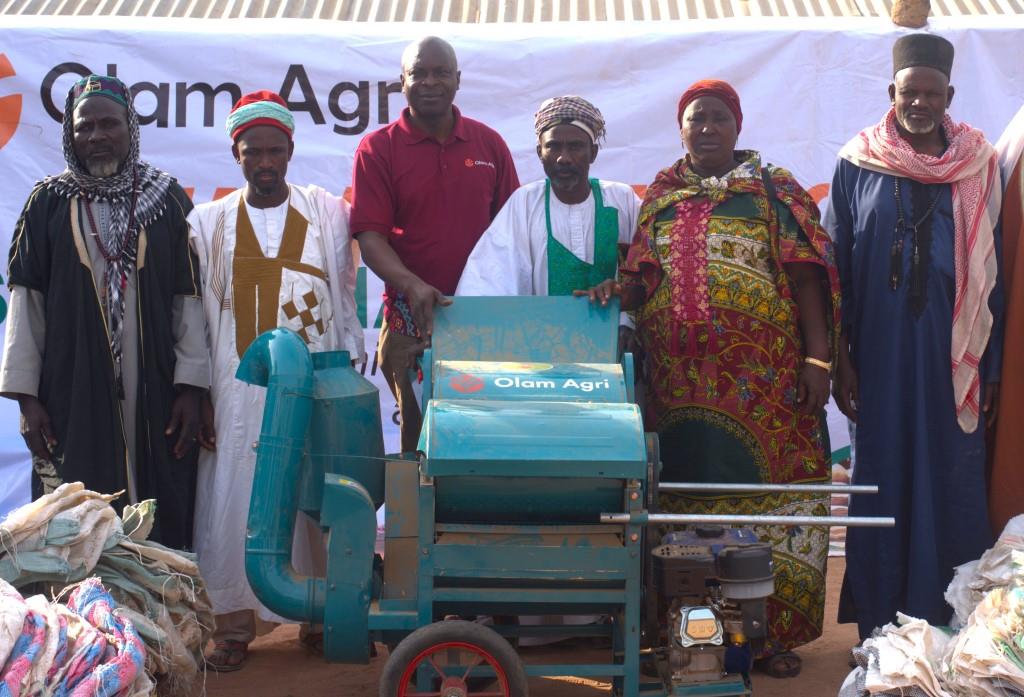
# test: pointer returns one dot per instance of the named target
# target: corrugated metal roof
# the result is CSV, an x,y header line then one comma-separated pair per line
x,y
492,11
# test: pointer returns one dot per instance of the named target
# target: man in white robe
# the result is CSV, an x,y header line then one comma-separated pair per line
x,y
271,254
558,234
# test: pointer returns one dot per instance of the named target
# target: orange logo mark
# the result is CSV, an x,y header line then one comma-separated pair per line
x,y
469,162
466,384
10,106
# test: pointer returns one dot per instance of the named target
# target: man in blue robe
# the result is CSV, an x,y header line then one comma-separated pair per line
x,y
913,211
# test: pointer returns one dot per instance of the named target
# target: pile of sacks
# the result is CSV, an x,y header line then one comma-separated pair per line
x,y
73,534
84,648
980,655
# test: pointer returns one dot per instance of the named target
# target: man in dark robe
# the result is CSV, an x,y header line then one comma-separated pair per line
x,y
105,348
914,212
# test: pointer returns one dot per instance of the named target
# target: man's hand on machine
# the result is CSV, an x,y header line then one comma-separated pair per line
x,y
422,298
630,297
602,292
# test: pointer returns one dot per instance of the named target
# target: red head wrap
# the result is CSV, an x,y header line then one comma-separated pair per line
x,y
712,88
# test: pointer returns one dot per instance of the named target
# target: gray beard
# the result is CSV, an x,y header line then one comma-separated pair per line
x,y
105,168
918,130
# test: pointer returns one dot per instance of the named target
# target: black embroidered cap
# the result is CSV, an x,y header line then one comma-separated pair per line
x,y
926,50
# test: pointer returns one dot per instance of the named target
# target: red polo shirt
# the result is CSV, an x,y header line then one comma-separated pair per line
x,y
433,200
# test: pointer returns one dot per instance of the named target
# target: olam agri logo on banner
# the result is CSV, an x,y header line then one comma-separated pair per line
x,y
10,104
10,117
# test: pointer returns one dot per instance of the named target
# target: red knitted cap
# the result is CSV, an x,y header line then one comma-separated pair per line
x,y
237,123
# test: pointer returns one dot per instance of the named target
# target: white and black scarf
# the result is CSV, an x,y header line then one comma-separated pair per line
x,y
137,195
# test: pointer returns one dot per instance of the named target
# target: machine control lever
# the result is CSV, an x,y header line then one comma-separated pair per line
x,y
770,488
644,518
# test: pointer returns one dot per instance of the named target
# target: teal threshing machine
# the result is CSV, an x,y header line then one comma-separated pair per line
x,y
533,493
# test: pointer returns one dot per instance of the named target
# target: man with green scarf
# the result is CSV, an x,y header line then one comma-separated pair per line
x,y
560,233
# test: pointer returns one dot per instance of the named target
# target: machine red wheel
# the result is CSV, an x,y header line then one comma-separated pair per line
x,y
448,652
466,657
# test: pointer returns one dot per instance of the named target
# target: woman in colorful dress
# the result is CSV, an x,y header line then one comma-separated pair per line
x,y
736,296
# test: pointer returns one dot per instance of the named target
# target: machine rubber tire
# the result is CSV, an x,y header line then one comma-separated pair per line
x,y
489,647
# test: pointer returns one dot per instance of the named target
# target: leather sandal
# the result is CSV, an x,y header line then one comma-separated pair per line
x,y
227,656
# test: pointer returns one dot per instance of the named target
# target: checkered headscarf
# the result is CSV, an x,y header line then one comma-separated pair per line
x,y
136,195
571,110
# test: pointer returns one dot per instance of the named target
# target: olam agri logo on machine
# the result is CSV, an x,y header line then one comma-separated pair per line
x,y
530,381
465,383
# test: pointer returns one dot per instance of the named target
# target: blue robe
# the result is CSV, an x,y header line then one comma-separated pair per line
x,y
930,474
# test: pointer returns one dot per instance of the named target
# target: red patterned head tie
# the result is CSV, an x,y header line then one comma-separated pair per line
x,y
712,88
261,108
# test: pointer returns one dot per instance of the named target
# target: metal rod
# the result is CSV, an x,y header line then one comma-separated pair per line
x,y
771,488
785,520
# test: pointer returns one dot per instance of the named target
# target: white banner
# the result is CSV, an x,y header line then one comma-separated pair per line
x,y
806,86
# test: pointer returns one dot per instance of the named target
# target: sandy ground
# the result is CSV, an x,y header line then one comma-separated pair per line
x,y
279,667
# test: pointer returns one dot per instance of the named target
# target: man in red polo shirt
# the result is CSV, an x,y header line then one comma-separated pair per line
x,y
424,188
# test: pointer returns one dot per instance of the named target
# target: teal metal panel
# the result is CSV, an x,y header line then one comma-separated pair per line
x,y
401,530
350,515
536,382
629,371
526,500
730,686
626,626
535,329
529,532
345,434
630,627
533,439
427,370
401,515
553,630
562,597
425,557
381,620
578,670
526,562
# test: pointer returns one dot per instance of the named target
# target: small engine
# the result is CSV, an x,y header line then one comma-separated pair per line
x,y
712,584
